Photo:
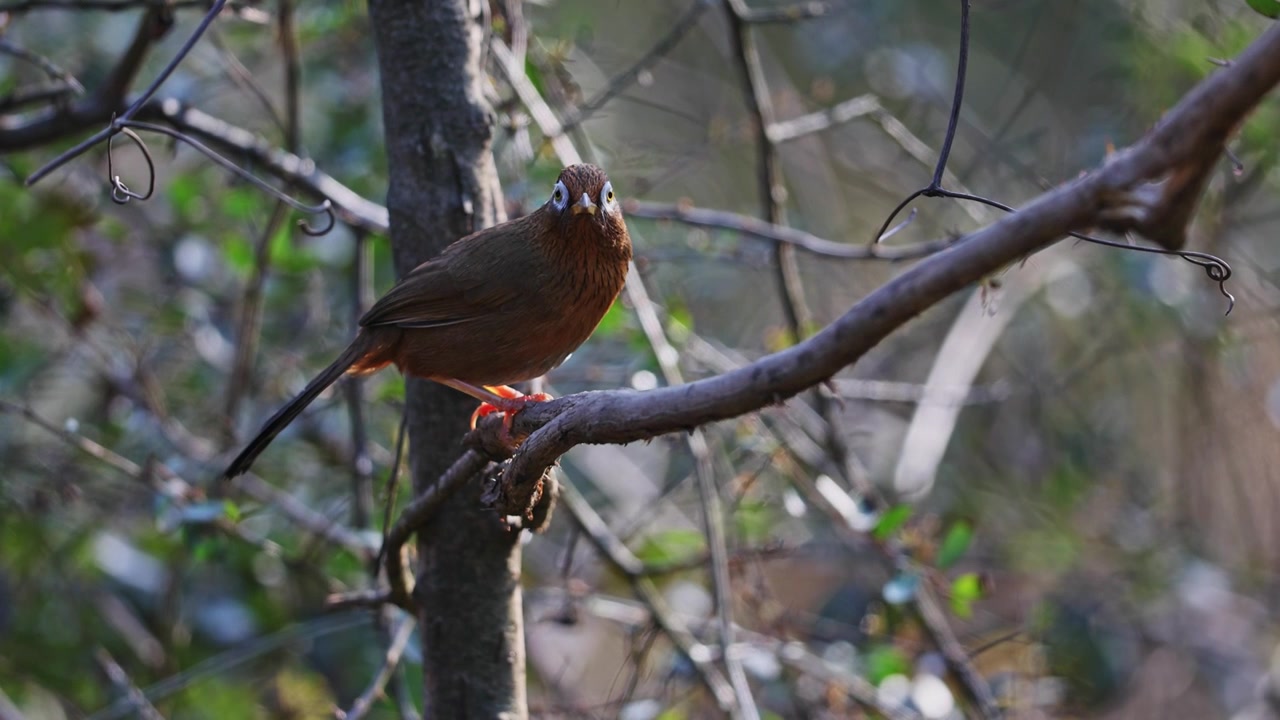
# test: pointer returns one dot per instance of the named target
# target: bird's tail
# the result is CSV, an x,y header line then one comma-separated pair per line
x,y
356,351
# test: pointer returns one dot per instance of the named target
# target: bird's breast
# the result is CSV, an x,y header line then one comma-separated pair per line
x,y
555,315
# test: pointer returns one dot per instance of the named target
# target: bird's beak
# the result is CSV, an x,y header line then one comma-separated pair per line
x,y
584,206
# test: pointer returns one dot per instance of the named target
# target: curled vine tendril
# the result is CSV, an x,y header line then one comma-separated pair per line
x,y
1215,267
120,193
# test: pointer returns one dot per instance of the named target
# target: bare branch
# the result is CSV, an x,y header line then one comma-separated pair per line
x,y
781,234
620,82
350,207
708,497
125,686
786,13
1199,123
45,64
760,107
417,513
815,122
96,108
624,561
862,691
301,515
155,23
179,490
22,6
933,617
399,641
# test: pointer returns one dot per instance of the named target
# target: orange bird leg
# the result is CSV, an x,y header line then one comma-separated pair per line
x,y
495,398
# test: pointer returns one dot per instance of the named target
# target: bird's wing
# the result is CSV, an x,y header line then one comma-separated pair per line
x,y
447,290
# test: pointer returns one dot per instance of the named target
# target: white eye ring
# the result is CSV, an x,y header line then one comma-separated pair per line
x,y
607,199
560,196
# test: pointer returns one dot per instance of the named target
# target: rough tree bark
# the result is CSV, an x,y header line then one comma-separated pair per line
x,y
443,185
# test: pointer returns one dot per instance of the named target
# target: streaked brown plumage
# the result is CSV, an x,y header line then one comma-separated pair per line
x,y
499,306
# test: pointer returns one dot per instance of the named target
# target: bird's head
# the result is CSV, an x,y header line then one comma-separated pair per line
x,y
583,204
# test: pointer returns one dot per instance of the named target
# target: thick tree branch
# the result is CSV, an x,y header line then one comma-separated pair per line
x,y
1198,125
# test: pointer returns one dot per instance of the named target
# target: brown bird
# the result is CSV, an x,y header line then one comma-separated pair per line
x,y
499,306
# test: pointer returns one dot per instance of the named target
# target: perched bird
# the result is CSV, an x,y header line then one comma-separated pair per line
x,y
499,306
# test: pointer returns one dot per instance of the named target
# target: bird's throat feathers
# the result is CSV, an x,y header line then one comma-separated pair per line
x,y
587,238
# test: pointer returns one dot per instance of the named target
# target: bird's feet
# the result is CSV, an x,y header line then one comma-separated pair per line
x,y
508,402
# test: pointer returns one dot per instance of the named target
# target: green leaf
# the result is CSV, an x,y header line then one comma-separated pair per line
x,y
186,195
679,320
204,550
237,253
242,203
1270,8
892,521
534,73
672,546
886,660
391,389
754,521
954,544
231,510
965,591
614,321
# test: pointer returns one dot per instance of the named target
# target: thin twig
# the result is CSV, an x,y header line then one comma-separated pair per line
x,y
1207,114
34,95
352,599
119,89
393,487
418,513
708,496
125,686
780,234
22,6
795,307
46,65
795,655
349,206
622,560
399,641
816,122
225,662
623,80
957,100
325,207
301,515
769,174
244,79
175,487
953,122
361,465
625,562
935,620
249,329
785,13
744,705
98,107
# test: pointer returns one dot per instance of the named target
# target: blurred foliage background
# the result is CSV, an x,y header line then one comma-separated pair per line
x,y
1102,524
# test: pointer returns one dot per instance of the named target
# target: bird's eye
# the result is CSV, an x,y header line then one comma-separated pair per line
x,y
606,194
560,196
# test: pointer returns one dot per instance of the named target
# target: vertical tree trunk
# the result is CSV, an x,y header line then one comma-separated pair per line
x,y
443,185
